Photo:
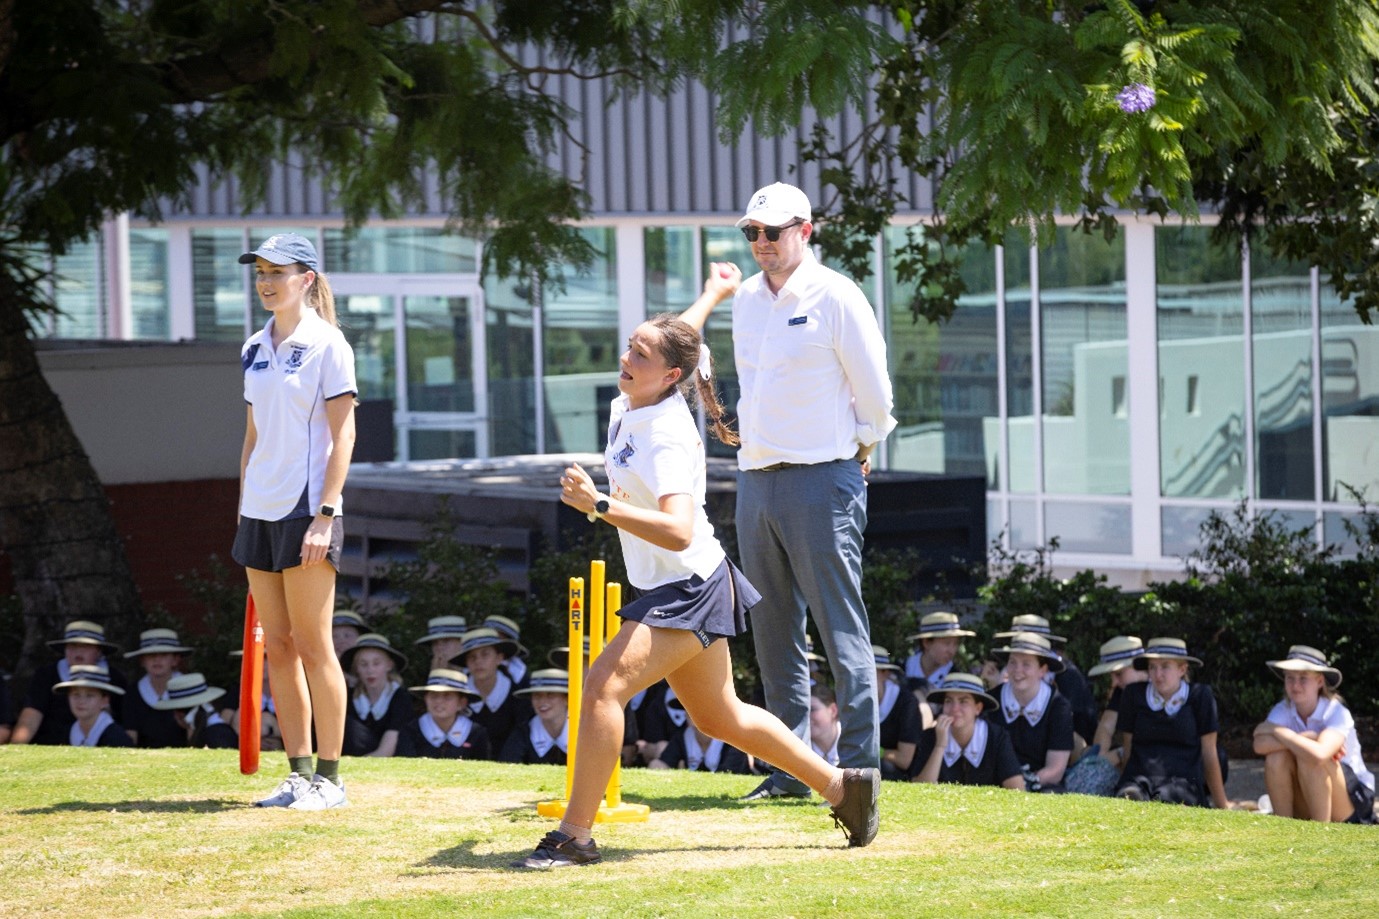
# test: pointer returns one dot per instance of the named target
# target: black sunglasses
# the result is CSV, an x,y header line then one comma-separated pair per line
x,y
772,233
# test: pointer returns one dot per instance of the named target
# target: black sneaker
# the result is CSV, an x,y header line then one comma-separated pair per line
x,y
560,850
769,789
856,813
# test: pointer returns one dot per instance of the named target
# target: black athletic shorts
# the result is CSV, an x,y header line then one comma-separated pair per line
x,y
275,545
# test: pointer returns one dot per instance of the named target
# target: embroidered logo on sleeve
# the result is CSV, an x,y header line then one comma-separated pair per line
x,y
798,320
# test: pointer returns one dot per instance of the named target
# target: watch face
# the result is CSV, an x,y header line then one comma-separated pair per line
x,y
601,506
327,510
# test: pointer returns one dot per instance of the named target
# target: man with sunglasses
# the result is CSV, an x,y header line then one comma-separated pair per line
x,y
815,401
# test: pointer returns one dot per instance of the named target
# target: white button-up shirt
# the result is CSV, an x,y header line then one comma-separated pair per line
x,y
811,361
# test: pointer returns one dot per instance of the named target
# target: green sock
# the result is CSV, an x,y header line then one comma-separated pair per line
x,y
328,769
301,765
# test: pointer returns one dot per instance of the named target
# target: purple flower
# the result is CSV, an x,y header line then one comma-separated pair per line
x,y
1136,97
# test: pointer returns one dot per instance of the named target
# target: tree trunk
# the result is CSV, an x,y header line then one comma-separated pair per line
x,y
55,523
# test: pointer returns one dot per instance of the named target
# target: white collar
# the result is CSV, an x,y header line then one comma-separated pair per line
x,y
146,689
889,694
678,716
1170,706
1033,711
364,708
697,755
457,735
502,685
975,749
541,739
93,737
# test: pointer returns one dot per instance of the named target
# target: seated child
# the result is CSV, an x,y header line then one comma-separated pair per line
x,y
445,730
692,749
160,655
1169,732
379,708
824,726
500,710
270,735
1118,659
898,712
545,738
939,637
189,702
444,634
89,691
963,747
1070,680
46,717
1313,767
515,665
1039,719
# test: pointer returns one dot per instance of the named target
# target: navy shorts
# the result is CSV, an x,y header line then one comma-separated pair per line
x,y
276,545
1361,798
711,608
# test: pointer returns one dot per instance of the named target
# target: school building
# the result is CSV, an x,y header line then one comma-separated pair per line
x,y
1111,395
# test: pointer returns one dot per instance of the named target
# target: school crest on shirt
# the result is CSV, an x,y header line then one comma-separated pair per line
x,y
622,456
294,362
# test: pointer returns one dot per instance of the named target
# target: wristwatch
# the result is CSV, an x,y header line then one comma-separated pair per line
x,y
329,510
600,508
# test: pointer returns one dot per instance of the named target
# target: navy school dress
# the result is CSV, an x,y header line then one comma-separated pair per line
x,y
521,749
363,733
998,760
156,729
1033,742
57,714
900,723
411,741
1166,750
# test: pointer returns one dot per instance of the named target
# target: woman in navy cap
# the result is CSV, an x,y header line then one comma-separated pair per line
x,y
298,438
445,730
690,598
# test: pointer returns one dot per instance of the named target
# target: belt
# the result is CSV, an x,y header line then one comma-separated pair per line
x,y
777,467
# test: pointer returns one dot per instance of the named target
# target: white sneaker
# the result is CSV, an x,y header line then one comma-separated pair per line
x,y
322,795
292,788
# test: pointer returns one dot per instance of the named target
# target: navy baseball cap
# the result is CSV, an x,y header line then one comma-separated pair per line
x,y
284,249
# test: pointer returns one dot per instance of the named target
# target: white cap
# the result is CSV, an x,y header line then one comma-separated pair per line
x,y
776,205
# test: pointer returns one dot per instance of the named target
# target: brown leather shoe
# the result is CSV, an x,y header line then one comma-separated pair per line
x,y
856,813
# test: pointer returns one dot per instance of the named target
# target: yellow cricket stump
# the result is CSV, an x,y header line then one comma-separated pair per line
x,y
602,628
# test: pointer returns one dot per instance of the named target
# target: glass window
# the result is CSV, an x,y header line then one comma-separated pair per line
x,y
368,323
1201,366
79,291
945,376
509,338
1019,358
1024,524
580,339
440,366
148,283
1082,330
427,444
672,281
1281,311
220,289
1089,527
398,250
1350,401
1335,533
724,244
1180,529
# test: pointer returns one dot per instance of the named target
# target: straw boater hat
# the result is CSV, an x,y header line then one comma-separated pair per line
x,y
83,632
941,625
1301,657
90,677
348,617
484,638
957,681
1029,643
188,690
560,657
1029,622
158,641
547,681
1117,654
443,679
378,643
507,628
883,658
1171,649
443,627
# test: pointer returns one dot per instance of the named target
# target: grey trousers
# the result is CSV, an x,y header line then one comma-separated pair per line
x,y
799,533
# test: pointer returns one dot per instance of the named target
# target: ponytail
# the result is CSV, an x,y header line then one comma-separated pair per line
x,y
680,346
713,407
320,298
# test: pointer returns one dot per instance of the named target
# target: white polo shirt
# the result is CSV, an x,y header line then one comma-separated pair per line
x,y
1332,715
287,390
653,452
812,364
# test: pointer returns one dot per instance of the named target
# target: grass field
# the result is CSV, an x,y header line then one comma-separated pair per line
x,y
122,833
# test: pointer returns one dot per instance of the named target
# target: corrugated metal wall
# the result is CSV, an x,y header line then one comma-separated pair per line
x,y
642,156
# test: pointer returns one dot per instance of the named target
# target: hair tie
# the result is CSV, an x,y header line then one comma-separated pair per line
x,y
705,368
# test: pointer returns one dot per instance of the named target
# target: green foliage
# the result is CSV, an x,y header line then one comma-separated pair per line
x,y
218,628
548,603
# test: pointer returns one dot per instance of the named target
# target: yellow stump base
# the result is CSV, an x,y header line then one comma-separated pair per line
x,y
623,813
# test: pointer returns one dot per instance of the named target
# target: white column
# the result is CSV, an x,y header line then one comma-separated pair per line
x,y
119,317
1142,383
181,308
630,253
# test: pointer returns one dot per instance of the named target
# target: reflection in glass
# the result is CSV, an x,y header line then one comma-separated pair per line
x,y
1088,527
398,250
148,283
509,341
1281,311
671,281
1086,433
1201,366
79,290
440,365
1015,255
1336,533
219,285
1181,529
1350,402
368,323
427,444
1024,524
945,376
580,341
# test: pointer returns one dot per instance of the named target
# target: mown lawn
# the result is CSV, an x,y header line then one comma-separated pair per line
x,y
116,833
